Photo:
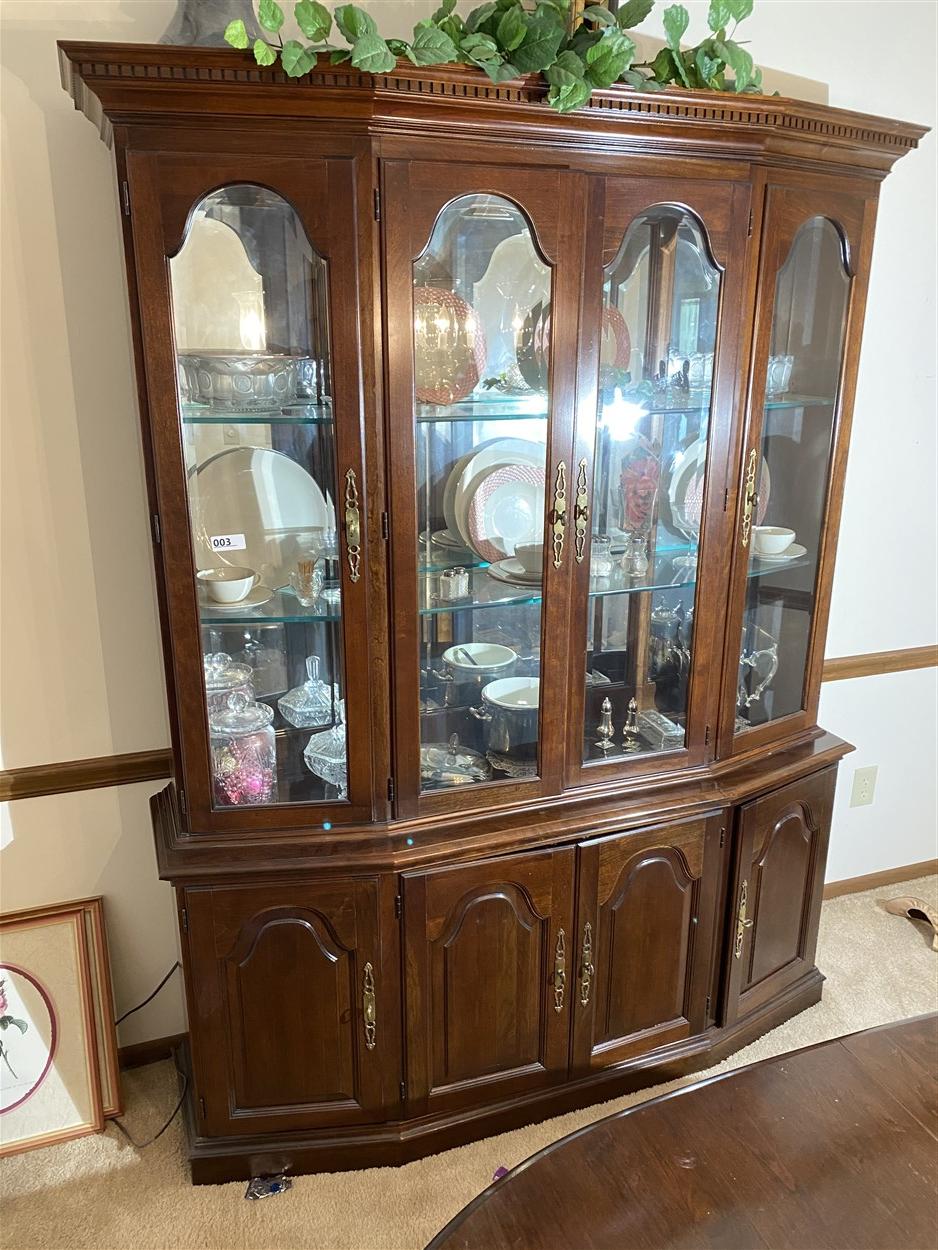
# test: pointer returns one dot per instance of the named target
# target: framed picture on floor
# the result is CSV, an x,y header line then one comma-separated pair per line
x,y
50,1074
102,996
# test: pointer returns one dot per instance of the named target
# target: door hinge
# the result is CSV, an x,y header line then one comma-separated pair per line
x,y
749,234
707,1008
403,1091
184,917
726,498
398,909
377,204
707,735
722,836
390,789
182,800
125,197
157,531
385,527
202,1107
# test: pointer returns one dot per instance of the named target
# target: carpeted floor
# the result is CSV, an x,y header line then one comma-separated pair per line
x,y
100,1192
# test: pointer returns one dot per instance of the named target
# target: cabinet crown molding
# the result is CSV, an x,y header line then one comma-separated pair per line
x,y
118,83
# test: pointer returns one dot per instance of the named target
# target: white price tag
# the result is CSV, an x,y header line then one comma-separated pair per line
x,y
228,542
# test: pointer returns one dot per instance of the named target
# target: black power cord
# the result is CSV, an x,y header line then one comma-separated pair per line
x,y
141,1145
149,998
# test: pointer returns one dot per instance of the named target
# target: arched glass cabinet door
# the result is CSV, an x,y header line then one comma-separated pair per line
x,y
787,475
475,381
250,310
644,455
255,419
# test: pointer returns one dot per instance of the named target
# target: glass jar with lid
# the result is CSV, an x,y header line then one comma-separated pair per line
x,y
244,753
223,677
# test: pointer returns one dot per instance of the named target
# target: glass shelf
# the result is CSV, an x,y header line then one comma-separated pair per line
x,y
526,407
283,608
797,401
291,414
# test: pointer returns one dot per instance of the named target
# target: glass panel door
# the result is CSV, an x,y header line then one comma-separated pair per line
x,y
481,356
659,318
254,375
787,475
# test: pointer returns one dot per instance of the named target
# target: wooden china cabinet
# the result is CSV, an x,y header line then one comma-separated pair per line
x,y
495,467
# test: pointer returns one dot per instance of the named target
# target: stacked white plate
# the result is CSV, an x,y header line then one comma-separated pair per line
x,y
494,497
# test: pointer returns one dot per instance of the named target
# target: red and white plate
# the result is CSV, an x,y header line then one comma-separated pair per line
x,y
505,510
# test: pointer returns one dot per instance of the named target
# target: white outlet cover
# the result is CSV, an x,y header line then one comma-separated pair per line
x,y
864,786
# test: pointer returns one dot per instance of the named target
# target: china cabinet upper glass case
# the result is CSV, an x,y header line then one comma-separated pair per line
x,y
480,482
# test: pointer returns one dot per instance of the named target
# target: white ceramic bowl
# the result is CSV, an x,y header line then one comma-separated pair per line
x,y
228,584
771,540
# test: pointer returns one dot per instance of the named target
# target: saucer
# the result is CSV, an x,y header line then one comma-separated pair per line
x,y
794,552
513,571
254,599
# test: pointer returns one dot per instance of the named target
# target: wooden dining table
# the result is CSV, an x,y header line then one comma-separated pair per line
x,y
834,1147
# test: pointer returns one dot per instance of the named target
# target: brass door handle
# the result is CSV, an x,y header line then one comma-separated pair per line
x,y
742,920
581,513
369,1009
558,515
586,965
353,527
560,970
751,497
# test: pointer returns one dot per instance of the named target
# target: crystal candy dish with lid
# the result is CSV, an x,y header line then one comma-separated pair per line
x,y
313,702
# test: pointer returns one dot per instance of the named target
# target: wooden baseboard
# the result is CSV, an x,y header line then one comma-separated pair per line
x,y
873,880
140,1053
843,667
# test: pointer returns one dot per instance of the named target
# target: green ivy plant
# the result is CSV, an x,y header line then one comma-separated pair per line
x,y
509,38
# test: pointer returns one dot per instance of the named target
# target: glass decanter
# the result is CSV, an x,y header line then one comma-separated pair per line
x,y
311,703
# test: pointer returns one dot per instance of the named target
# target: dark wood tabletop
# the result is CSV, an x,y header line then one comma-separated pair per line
x,y
834,1146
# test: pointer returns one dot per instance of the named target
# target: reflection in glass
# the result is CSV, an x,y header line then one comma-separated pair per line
x,y
252,339
791,476
481,376
659,324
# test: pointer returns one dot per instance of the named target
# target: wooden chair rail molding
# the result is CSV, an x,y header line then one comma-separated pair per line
x,y
123,770
875,663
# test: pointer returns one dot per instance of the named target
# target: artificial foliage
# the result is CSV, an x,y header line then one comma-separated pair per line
x,y
509,38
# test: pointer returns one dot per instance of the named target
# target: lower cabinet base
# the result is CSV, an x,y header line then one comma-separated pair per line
x,y
216,1160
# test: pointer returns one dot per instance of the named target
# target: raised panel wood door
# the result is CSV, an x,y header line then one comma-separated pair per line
x,y
644,940
488,956
781,853
294,1006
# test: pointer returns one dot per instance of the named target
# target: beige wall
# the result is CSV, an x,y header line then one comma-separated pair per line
x,y
79,648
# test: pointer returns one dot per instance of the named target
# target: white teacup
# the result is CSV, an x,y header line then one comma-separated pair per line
x,y
229,584
530,556
771,540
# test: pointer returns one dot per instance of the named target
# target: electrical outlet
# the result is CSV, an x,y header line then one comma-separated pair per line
x,y
864,786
